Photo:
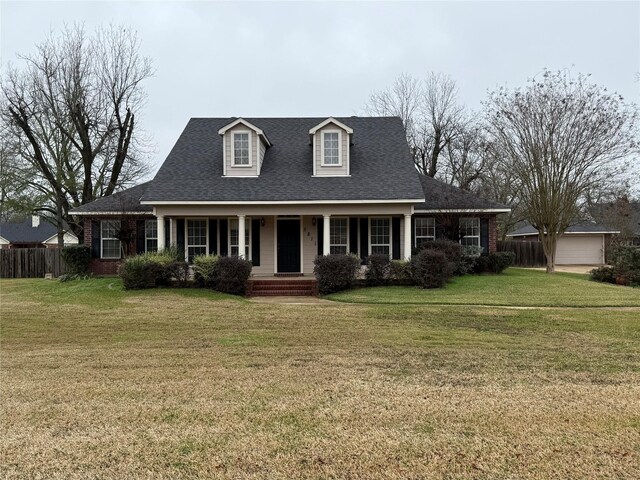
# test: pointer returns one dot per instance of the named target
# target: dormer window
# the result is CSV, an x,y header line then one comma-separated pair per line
x,y
331,148
241,156
331,144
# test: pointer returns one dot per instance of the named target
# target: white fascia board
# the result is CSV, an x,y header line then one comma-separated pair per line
x,y
54,238
463,210
282,202
250,125
328,121
80,214
565,233
4,241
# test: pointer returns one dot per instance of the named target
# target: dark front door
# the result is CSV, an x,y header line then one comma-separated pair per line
x,y
288,245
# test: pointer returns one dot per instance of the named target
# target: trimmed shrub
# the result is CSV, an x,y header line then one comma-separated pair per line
x,y
453,251
175,271
603,274
139,272
232,275
377,272
400,271
335,272
205,270
481,264
500,261
76,258
430,268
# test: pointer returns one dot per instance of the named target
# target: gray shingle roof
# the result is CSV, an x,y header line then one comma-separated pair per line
x,y
124,201
381,164
578,228
441,196
24,232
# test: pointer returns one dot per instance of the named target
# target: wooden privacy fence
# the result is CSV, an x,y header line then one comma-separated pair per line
x,y
30,262
528,254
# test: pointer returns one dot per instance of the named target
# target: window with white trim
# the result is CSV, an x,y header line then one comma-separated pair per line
x,y
380,236
330,148
241,149
234,237
470,231
339,236
109,244
151,236
425,230
196,238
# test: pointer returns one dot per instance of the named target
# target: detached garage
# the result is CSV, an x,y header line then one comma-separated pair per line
x,y
583,244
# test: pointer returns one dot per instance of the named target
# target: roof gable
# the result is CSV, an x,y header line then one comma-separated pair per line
x,y
327,122
247,124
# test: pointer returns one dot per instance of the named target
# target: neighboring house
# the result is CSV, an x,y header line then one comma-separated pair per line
x,y
279,191
581,244
34,232
622,215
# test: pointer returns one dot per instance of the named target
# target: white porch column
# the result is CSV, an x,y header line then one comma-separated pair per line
x,y
241,233
161,245
173,231
326,237
407,237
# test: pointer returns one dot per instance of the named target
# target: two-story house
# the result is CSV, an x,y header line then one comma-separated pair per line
x,y
280,191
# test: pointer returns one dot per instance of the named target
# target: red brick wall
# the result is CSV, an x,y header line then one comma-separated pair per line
x,y
493,233
99,266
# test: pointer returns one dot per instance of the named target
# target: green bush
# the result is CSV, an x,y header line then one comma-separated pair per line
x,y
603,274
205,270
176,271
500,261
626,258
335,272
232,275
377,272
400,271
481,264
140,272
76,258
453,251
431,268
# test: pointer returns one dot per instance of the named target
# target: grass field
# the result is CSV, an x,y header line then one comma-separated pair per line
x,y
515,287
101,383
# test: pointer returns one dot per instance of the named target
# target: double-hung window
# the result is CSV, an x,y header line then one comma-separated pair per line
x,y
331,148
151,235
380,236
339,236
425,230
470,231
196,238
241,149
109,244
234,237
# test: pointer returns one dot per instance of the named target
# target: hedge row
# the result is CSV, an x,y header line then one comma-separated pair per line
x,y
430,267
624,269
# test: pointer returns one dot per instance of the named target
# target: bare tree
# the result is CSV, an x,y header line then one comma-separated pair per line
x,y
562,137
430,112
72,110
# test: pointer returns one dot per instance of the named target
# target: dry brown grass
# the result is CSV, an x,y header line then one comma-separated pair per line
x,y
173,385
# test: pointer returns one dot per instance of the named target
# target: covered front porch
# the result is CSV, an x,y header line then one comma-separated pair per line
x,y
284,243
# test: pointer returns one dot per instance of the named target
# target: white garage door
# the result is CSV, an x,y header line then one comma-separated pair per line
x,y
579,250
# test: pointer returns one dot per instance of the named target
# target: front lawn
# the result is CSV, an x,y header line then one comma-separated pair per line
x,y
514,287
97,382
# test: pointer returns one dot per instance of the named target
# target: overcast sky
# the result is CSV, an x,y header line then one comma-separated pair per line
x,y
321,59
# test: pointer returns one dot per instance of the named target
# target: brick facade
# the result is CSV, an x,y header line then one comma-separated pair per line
x,y
493,234
101,266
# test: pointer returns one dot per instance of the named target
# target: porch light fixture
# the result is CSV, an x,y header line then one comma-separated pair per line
x,y
262,222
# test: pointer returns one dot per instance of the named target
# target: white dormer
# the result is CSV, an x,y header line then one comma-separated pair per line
x,y
243,149
331,148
